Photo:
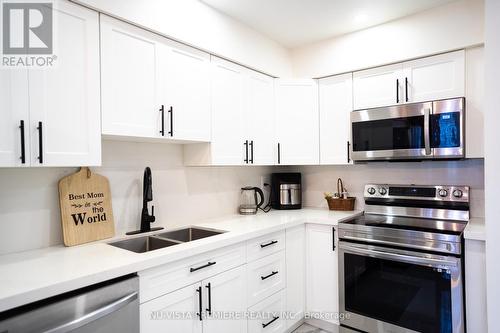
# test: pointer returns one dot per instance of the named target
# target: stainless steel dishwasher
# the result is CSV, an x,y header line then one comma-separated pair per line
x,y
111,306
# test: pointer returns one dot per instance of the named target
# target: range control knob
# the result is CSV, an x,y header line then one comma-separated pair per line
x,y
443,193
382,191
458,193
371,190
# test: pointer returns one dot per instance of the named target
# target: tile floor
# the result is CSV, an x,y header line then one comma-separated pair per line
x,y
308,329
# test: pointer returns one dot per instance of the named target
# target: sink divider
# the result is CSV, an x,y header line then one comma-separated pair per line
x,y
168,239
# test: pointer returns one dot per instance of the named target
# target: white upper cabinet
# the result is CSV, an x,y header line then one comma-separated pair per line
x,y
152,87
426,79
65,100
243,130
228,110
260,120
335,106
185,92
433,78
297,120
376,87
474,99
15,123
129,60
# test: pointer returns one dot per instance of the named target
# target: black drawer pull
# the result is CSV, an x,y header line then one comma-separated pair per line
x,y
272,321
162,110
406,89
251,152
333,240
246,151
268,276
268,244
200,300
397,91
171,112
209,288
210,263
23,145
40,142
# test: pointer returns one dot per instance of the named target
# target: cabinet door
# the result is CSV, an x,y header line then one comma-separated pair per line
x,y
129,58
224,293
228,86
297,121
381,86
185,87
321,271
14,108
65,99
295,277
474,99
268,315
174,312
475,285
433,78
335,106
260,117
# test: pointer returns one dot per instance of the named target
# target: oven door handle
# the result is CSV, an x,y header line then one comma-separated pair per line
x,y
430,260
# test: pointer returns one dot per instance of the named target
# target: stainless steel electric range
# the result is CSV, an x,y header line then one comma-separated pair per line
x,y
401,263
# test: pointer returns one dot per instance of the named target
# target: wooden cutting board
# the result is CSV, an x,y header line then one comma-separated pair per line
x,y
86,211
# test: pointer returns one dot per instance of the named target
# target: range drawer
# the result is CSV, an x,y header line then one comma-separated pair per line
x,y
267,316
263,246
265,277
164,279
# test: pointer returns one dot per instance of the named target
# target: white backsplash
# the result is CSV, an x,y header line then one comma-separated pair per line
x,y
29,201
319,179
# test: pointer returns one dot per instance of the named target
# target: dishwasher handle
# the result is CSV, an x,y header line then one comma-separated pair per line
x,y
94,315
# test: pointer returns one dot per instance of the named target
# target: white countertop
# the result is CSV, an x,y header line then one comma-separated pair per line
x,y
475,230
29,276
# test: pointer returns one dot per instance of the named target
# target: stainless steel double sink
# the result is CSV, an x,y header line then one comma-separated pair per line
x,y
165,239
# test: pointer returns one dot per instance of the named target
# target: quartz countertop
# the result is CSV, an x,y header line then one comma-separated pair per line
x,y
30,276
475,229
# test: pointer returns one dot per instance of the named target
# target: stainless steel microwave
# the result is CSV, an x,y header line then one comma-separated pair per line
x,y
428,130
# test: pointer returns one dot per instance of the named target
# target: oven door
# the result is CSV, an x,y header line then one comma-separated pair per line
x,y
390,290
396,132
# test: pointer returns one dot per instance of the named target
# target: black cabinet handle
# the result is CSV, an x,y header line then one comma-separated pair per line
x,y
397,90
23,147
272,321
333,240
200,300
210,263
348,152
279,153
268,276
246,151
209,288
40,142
406,89
162,110
251,151
171,112
268,244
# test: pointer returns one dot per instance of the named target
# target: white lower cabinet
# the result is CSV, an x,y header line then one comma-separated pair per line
x,y
266,276
200,307
267,316
475,286
322,272
295,277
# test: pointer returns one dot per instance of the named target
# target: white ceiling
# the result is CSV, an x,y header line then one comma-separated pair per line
x,y
293,23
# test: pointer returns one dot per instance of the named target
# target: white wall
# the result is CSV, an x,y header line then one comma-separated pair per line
x,y
194,23
320,179
29,199
449,27
492,160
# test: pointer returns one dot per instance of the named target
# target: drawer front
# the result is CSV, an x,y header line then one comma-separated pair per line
x,y
265,277
267,316
161,280
263,246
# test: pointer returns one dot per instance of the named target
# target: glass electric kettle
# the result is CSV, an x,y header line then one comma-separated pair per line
x,y
251,200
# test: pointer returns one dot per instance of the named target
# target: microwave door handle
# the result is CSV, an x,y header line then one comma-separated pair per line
x,y
409,259
427,138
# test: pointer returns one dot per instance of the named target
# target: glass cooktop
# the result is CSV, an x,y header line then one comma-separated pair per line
x,y
409,223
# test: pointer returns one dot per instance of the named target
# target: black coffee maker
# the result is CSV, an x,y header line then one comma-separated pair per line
x,y
286,190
